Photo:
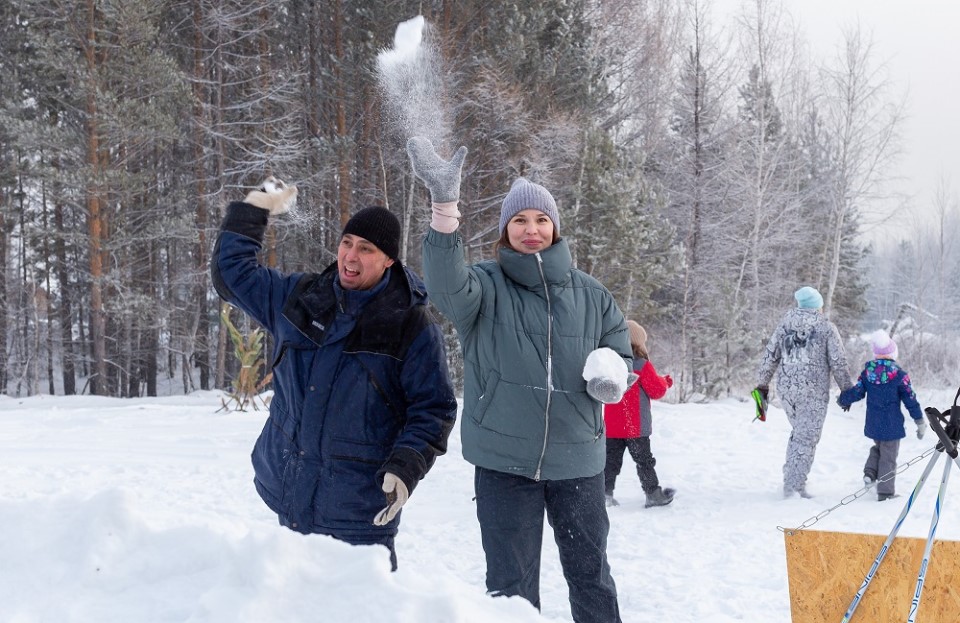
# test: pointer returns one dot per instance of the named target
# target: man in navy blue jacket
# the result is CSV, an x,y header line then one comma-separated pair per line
x,y
362,402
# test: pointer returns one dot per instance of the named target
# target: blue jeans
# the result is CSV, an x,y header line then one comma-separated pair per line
x,y
510,510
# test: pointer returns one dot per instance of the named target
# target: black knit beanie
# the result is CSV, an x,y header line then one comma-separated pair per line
x,y
378,225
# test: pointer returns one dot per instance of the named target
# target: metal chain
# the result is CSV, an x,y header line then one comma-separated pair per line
x,y
853,496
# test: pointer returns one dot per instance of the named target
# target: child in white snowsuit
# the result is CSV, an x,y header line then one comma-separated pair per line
x,y
886,385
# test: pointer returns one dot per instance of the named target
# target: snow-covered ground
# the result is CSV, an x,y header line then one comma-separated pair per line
x,y
143,511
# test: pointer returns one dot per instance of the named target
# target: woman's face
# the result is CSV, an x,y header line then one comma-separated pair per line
x,y
530,231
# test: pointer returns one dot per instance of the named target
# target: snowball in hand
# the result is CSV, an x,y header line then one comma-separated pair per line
x,y
605,363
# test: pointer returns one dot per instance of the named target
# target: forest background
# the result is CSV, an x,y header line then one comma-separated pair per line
x,y
703,172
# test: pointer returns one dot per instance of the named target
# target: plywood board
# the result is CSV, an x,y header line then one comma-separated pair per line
x,y
825,570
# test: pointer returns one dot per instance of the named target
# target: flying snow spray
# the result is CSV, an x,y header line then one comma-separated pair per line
x,y
411,80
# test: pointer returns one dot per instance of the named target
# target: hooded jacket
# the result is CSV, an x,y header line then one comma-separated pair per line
x,y
632,417
805,350
360,382
526,324
886,385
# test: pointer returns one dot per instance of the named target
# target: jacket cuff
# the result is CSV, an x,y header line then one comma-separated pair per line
x,y
246,220
407,465
442,240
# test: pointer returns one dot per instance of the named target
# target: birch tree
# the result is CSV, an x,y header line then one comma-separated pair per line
x,y
862,123
695,182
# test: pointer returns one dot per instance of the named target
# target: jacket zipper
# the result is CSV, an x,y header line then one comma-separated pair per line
x,y
546,413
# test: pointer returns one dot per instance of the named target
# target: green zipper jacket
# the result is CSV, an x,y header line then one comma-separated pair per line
x,y
526,325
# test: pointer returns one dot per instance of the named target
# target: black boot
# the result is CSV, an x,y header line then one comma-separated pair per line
x,y
659,497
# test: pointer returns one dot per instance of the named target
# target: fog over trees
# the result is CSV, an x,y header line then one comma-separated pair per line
x,y
705,168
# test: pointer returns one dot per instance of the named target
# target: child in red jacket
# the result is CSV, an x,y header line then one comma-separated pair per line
x,y
629,425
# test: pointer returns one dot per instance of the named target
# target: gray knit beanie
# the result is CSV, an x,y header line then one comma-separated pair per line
x,y
525,195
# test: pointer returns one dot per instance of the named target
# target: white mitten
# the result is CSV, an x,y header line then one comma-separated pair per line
x,y
274,196
921,427
607,376
396,497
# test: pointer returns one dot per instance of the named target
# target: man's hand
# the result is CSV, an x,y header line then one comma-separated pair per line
x,y
274,196
761,395
764,392
397,495
441,177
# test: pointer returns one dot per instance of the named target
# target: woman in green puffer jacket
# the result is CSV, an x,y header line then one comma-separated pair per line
x,y
532,424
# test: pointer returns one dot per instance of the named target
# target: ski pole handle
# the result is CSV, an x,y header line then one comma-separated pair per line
x,y
934,416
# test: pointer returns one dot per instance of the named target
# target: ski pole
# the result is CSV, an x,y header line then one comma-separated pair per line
x,y
922,575
890,537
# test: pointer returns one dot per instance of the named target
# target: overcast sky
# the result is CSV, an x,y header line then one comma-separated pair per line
x,y
917,41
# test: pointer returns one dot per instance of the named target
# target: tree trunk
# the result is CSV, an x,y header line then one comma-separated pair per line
x,y
345,153
95,217
201,341
65,288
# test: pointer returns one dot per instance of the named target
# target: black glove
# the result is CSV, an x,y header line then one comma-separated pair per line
x,y
441,177
843,405
760,395
764,394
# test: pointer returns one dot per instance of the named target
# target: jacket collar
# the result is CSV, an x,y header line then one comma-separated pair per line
x,y
312,305
353,301
525,269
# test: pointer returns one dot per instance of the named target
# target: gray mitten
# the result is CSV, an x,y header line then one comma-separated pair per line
x,y
921,427
604,390
274,196
441,177
607,375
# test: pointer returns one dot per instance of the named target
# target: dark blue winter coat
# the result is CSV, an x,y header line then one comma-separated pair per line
x,y
360,381
886,385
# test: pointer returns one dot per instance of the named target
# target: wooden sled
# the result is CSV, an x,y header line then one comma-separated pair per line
x,y
826,569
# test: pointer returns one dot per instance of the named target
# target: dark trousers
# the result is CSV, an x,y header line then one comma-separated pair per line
x,y
510,510
639,448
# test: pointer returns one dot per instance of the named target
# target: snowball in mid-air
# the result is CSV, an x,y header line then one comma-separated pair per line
x,y
406,42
